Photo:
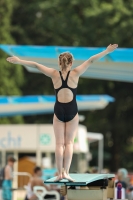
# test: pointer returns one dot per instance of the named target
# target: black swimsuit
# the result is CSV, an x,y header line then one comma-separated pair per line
x,y
65,111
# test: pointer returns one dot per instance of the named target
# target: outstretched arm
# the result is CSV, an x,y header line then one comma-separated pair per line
x,y
46,70
83,67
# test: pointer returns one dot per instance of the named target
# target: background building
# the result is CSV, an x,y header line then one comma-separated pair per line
x,y
36,143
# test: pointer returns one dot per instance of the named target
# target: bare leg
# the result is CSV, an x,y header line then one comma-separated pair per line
x,y
70,133
59,130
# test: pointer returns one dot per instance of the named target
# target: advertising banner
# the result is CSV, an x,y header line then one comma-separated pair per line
x,y
37,137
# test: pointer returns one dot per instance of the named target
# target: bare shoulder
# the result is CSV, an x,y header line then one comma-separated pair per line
x,y
37,181
74,73
74,78
7,168
55,73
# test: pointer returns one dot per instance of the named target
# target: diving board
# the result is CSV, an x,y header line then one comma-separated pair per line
x,y
117,66
44,104
80,179
87,186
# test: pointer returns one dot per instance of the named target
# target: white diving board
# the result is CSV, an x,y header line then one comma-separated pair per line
x,y
44,104
80,179
87,186
117,66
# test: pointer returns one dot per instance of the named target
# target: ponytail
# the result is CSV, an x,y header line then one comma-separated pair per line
x,y
64,60
64,63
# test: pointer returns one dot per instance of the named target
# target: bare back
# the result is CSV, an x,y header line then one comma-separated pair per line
x,y
36,181
65,95
8,173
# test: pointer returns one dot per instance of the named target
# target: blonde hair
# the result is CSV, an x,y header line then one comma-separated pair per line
x,y
65,59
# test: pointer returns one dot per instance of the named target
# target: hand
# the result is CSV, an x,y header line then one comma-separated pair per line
x,y
112,47
13,59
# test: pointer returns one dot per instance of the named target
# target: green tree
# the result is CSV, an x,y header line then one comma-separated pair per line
x,y
11,76
74,22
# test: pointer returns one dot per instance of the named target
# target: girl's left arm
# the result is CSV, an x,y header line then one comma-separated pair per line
x,y
46,70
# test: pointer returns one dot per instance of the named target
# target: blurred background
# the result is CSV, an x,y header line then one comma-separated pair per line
x,y
67,23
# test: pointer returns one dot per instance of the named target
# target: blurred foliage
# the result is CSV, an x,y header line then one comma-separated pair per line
x,y
75,23
11,76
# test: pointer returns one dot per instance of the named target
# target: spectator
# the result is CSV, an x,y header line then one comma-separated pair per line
x,y
8,177
36,180
122,177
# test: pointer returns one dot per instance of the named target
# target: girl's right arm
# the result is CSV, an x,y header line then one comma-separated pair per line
x,y
84,66
46,70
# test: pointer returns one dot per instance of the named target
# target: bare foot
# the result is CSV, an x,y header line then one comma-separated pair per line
x,y
66,176
58,178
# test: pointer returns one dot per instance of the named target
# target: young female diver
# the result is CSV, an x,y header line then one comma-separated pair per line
x,y
65,120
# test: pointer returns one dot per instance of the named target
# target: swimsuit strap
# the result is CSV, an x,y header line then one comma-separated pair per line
x,y
61,76
66,76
